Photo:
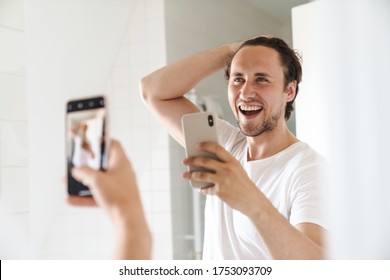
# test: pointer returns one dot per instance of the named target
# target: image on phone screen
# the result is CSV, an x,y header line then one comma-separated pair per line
x,y
85,139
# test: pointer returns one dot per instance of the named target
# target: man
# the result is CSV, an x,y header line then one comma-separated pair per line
x,y
264,201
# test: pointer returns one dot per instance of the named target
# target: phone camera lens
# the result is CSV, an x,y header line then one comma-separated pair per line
x,y
79,105
211,120
91,103
69,107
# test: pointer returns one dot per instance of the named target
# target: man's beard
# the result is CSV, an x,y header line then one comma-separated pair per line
x,y
267,125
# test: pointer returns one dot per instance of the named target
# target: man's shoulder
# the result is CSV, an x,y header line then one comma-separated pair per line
x,y
303,154
305,149
307,163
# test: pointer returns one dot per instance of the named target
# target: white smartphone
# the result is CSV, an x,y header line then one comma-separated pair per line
x,y
197,128
86,142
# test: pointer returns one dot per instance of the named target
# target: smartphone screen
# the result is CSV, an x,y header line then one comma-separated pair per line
x,y
85,139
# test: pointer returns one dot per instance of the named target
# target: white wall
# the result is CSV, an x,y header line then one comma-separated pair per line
x,y
72,46
311,103
350,76
14,194
146,142
356,69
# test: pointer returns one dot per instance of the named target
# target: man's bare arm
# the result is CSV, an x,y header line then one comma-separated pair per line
x,y
163,90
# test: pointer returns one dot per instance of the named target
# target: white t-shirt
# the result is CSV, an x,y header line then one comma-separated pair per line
x,y
290,179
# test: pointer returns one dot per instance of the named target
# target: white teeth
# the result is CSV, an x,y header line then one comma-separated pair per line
x,y
250,107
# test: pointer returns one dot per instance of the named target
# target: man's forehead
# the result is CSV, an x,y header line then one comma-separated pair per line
x,y
259,59
257,53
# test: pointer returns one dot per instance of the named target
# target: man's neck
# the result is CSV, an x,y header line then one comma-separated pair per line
x,y
270,143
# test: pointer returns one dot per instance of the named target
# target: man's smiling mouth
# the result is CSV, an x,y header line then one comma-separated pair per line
x,y
250,110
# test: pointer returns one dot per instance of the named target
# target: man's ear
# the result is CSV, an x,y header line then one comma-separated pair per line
x,y
291,90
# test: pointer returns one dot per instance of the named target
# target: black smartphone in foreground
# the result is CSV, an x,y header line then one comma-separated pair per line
x,y
86,142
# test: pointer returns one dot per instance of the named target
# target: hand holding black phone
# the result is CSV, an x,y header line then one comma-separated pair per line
x,y
86,143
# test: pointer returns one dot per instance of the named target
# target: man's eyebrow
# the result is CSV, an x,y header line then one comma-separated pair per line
x,y
260,74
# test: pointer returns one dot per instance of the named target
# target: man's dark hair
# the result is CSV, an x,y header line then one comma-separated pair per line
x,y
290,60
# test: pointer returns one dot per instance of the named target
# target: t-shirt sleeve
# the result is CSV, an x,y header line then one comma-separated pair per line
x,y
307,195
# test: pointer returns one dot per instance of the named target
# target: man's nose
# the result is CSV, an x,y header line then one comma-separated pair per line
x,y
247,91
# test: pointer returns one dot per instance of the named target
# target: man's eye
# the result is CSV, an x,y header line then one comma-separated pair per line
x,y
261,80
238,79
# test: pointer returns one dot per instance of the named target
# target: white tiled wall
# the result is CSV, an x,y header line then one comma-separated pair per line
x,y
14,194
144,140
13,102
11,13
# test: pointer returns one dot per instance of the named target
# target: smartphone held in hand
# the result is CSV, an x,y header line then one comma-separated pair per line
x,y
86,142
197,128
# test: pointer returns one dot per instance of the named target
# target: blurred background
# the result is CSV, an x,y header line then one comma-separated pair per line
x,y
54,51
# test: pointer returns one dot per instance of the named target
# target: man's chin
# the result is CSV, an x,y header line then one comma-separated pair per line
x,y
249,132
